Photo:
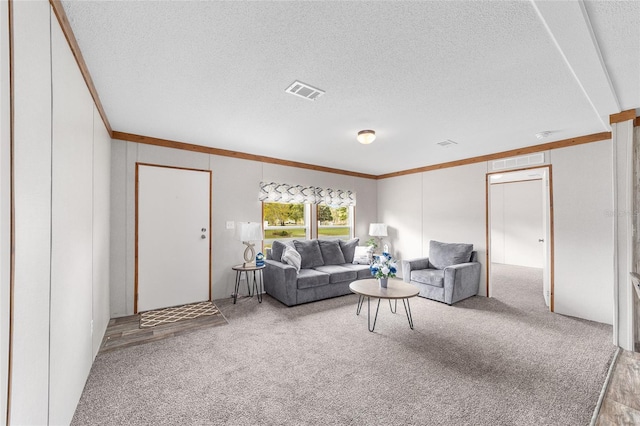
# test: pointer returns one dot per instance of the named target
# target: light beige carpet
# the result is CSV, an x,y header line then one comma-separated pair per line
x,y
502,361
177,313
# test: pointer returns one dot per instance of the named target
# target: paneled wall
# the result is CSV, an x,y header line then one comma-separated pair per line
x,y
5,207
449,205
234,198
61,173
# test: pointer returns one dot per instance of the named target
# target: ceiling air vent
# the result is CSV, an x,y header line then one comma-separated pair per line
x,y
447,143
303,90
525,160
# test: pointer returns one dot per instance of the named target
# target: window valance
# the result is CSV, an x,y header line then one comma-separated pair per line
x,y
272,192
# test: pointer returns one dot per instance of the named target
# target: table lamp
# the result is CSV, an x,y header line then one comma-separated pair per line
x,y
378,230
247,232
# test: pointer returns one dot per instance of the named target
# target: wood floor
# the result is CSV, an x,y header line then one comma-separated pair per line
x,y
621,403
125,331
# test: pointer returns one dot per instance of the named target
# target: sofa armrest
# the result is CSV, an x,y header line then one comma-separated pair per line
x,y
280,281
461,281
412,265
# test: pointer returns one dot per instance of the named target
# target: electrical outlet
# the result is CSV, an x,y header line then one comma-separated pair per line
x,y
230,224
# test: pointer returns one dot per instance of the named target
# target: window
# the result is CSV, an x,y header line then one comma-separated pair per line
x,y
335,222
285,222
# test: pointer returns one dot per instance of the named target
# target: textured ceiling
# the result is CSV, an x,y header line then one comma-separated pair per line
x,y
487,75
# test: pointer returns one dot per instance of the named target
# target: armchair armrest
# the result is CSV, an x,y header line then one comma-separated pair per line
x,y
461,281
412,265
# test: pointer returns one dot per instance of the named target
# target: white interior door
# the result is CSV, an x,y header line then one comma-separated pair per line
x,y
173,220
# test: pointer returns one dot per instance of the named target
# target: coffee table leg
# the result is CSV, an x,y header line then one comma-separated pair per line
x,y
393,310
369,314
360,300
407,310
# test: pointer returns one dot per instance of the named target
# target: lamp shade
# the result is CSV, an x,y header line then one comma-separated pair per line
x,y
378,230
249,231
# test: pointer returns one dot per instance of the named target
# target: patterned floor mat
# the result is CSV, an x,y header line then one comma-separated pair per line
x,y
168,315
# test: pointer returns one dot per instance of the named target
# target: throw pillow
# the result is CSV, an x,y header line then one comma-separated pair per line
x,y
292,257
363,255
277,249
348,249
331,252
442,255
310,252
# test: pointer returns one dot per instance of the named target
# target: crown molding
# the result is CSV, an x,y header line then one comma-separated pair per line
x,y
629,114
504,154
233,154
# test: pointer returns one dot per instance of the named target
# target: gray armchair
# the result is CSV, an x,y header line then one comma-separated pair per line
x,y
450,273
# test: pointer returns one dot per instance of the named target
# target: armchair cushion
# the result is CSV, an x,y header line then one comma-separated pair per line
x,y
331,252
442,255
310,252
434,277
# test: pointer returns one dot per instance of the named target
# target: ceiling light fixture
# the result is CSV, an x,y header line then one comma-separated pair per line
x,y
542,135
365,137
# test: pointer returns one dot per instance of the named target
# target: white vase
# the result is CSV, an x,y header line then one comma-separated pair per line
x,y
383,282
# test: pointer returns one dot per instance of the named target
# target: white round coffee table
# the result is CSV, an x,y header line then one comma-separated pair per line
x,y
396,289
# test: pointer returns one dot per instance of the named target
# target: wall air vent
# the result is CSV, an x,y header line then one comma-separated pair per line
x,y
513,162
447,143
303,90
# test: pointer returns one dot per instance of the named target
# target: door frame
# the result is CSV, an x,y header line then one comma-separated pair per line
x,y
551,255
135,280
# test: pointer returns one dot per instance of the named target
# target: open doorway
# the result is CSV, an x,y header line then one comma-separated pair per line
x,y
520,236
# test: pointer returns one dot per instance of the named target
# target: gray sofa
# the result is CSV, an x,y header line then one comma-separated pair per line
x,y
450,273
326,271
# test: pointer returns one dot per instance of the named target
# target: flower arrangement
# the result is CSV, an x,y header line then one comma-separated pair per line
x,y
383,266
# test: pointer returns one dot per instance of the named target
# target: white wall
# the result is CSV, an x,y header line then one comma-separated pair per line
x,y
234,198
449,205
516,223
61,223
445,205
5,206
32,174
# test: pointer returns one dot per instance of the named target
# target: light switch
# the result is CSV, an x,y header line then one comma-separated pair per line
x,y
231,224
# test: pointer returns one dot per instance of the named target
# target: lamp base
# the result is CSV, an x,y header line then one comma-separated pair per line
x,y
249,255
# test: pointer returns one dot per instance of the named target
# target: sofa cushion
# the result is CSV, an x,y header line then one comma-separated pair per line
x,y
434,277
292,257
277,249
308,278
363,271
442,255
331,252
348,249
363,255
310,252
338,274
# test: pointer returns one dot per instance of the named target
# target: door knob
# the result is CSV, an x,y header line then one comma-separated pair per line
x,y
204,229
203,236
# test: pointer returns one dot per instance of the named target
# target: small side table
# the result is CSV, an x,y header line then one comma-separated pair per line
x,y
258,286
